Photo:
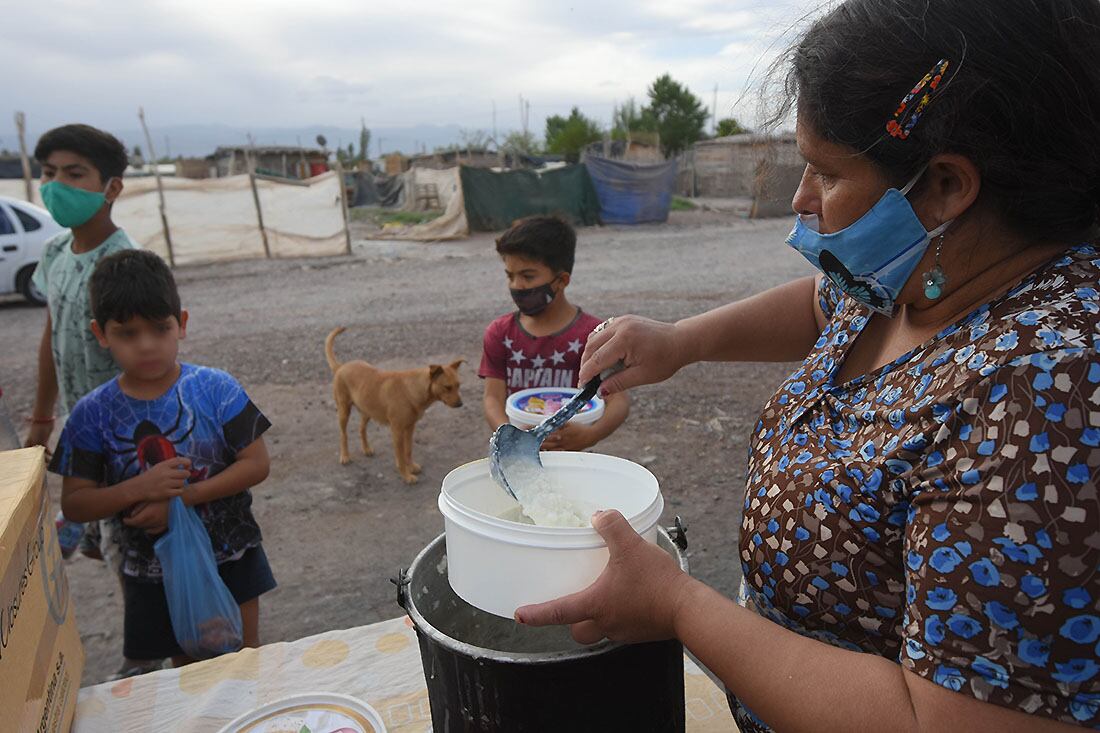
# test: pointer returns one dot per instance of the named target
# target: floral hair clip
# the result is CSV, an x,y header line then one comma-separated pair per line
x,y
915,102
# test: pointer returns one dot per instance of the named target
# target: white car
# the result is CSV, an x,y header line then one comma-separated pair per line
x,y
24,230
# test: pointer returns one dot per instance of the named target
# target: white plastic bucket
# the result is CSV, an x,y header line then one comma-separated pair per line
x,y
529,408
499,565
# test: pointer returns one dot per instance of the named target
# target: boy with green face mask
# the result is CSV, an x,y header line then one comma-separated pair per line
x,y
82,170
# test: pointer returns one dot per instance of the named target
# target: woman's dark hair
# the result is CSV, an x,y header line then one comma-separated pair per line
x,y
134,282
1021,98
546,239
103,149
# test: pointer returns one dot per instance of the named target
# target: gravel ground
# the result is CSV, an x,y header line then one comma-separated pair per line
x,y
336,534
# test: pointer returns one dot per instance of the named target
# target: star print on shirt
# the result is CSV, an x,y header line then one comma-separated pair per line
x,y
575,346
507,343
518,356
557,357
537,362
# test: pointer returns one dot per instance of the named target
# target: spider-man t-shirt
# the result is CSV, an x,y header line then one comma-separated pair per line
x,y
206,416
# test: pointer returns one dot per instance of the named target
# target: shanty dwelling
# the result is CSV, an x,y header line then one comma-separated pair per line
x,y
728,167
284,161
471,157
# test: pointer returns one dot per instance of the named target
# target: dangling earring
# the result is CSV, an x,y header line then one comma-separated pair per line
x,y
934,279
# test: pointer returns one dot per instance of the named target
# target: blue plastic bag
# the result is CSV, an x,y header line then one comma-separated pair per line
x,y
205,617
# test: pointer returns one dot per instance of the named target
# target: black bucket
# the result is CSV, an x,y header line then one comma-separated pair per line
x,y
486,673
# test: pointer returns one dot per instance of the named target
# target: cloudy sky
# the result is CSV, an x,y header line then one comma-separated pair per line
x,y
396,63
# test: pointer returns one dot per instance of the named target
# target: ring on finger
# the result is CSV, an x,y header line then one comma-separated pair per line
x,y
603,325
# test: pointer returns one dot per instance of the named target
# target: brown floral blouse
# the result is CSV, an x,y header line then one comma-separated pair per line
x,y
942,511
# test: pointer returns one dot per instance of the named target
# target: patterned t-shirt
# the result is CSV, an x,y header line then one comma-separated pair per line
x,y
81,363
942,511
524,361
206,416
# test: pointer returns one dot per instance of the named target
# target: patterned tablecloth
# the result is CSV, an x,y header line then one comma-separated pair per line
x,y
379,664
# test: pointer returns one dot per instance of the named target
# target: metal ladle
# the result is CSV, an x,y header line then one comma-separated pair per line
x,y
511,448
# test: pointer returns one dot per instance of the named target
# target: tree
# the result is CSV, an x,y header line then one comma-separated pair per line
x,y
628,118
364,139
568,136
678,115
731,126
521,143
474,139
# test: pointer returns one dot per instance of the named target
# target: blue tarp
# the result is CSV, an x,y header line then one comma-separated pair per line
x,y
630,193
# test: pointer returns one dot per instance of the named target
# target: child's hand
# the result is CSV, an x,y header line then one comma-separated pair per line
x,y
570,436
164,480
152,516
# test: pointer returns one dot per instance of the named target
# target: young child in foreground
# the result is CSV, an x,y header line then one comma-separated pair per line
x,y
163,429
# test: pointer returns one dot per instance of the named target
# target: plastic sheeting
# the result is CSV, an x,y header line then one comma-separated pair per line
x,y
13,187
214,219
450,225
446,182
495,200
630,193
383,190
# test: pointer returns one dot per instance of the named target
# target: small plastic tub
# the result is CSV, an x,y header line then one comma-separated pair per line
x,y
498,565
529,408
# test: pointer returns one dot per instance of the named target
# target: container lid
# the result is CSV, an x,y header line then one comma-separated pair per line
x,y
540,403
313,712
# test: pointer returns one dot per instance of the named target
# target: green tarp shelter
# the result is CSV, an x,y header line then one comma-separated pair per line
x,y
495,200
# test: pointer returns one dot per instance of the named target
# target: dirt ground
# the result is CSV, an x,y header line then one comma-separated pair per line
x,y
336,534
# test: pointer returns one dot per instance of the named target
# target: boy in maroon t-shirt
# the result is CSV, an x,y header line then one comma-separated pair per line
x,y
540,345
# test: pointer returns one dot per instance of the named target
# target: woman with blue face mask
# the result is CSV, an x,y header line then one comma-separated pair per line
x,y
921,526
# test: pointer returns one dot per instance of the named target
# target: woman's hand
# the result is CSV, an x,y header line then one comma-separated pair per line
x,y
651,352
635,599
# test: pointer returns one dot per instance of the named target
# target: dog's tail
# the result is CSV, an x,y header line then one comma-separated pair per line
x,y
330,351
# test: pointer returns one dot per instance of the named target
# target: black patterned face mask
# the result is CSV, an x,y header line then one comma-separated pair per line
x,y
532,301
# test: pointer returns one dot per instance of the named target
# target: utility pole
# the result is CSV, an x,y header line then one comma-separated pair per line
x,y
21,129
714,116
524,113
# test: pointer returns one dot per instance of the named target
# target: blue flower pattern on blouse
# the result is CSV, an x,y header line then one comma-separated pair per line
x,y
942,511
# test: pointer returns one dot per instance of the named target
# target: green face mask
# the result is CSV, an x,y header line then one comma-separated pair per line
x,y
69,206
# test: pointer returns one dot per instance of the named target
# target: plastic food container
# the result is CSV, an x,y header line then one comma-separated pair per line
x,y
318,712
529,408
498,565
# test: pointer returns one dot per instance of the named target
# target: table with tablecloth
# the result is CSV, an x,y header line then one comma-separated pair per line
x,y
379,664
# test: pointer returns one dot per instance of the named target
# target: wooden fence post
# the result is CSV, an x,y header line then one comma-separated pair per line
x,y
251,160
344,206
160,188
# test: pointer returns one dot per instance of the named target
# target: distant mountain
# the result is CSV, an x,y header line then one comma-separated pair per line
x,y
201,140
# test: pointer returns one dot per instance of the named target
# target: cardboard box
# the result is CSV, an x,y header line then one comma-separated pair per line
x,y
41,657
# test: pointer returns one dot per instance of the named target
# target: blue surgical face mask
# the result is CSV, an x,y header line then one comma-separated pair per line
x,y
872,259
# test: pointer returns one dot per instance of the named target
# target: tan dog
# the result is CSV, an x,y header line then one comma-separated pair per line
x,y
397,399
